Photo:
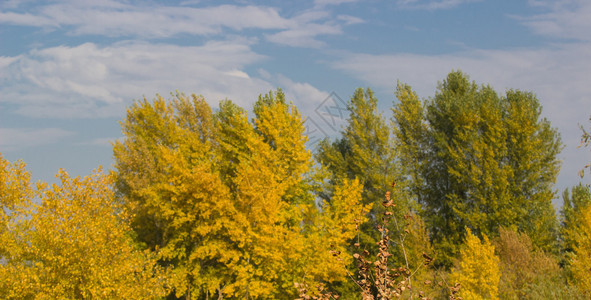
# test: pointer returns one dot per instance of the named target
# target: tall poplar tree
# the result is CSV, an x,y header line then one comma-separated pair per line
x,y
479,160
365,151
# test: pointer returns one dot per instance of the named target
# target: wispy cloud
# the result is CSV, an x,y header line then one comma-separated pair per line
x,y
89,81
432,4
136,19
12,139
559,76
306,27
141,20
304,35
322,3
569,19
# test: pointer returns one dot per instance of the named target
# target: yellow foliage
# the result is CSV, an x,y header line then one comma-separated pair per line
x,y
72,244
478,269
229,203
581,262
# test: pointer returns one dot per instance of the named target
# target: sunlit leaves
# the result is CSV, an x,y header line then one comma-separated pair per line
x,y
478,269
581,262
228,203
71,243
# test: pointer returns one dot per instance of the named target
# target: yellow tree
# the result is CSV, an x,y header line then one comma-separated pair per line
x,y
478,269
273,188
580,264
73,244
16,279
168,178
228,202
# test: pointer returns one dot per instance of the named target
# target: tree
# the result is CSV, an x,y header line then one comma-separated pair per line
x,y
228,203
167,177
576,235
16,192
574,202
365,152
581,260
528,273
478,269
479,160
74,244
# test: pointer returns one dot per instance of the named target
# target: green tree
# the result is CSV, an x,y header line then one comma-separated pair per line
x,y
479,160
365,152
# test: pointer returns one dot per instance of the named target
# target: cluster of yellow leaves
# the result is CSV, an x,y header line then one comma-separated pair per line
x,y
580,265
69,241
228,204
478,270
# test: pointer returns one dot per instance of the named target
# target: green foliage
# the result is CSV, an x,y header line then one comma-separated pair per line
x,y
528,273
365,152
214,204
478,269
479,160
381,277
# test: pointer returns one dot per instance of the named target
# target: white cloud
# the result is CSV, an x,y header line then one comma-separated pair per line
x,y
304,95
350,20
558,75
304,36
321,3
304,29
138,19
89,81
12,139
432,4
565,19
26,19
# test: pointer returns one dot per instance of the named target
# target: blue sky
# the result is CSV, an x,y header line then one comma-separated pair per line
x,y
69,68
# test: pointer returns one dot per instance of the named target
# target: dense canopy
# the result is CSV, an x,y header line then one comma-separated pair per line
x,y
450,197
